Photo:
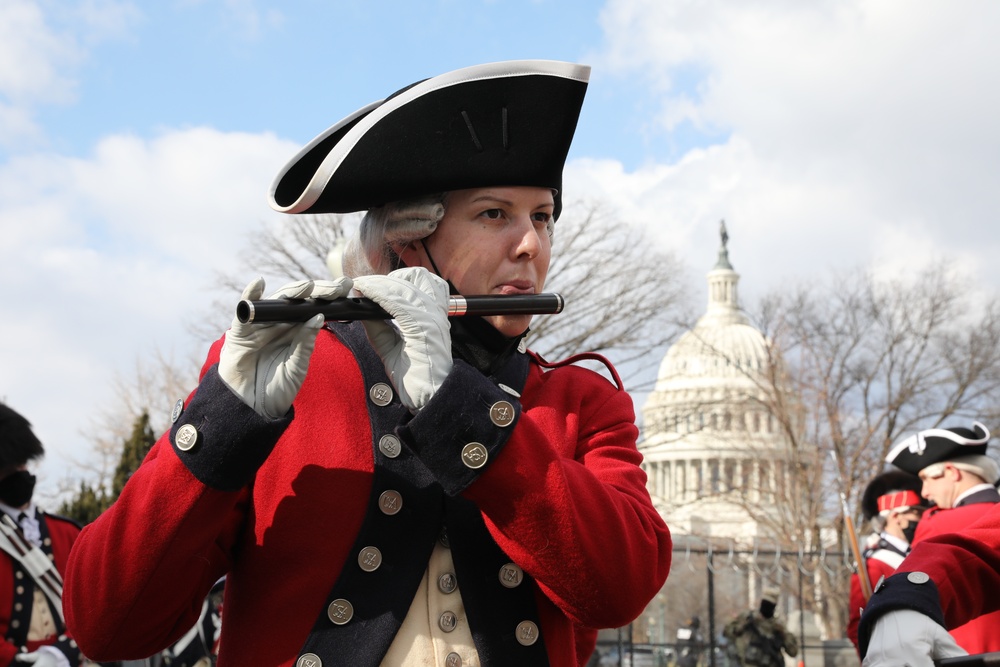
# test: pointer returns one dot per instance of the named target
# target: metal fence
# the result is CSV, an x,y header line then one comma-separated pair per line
x,y
713,581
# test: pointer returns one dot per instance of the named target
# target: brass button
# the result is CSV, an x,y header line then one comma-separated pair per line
x,y
340,611
308,660
390,445
511,575
186,437
526,633
448,621
381,394
474,455
369,559
447,583
502,413
918,577
390,502
175,414
453,660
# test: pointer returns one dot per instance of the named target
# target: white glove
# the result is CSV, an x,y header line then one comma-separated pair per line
x,y
45,656
265,364
416,346
907,637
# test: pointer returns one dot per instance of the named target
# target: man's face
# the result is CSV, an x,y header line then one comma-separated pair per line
x,y
492,241
903,520
942,488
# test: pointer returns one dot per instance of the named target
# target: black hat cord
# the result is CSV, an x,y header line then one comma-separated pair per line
x,y
473,339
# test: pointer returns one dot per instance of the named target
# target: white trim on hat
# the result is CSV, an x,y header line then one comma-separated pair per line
x,y
298,204
917,443
379,110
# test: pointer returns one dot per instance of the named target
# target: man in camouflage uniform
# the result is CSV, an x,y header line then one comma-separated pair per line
x,y
755,637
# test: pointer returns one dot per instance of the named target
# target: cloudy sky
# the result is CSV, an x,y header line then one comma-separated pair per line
x,y
138,140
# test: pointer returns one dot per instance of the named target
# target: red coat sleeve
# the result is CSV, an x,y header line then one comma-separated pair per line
x,y
148,550
567,499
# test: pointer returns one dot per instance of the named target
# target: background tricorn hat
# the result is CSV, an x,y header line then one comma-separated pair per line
x,y
499,124
890,480
18,443
935,445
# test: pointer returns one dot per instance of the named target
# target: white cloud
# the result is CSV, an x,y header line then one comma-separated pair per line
x,y
853,130
41,48
109,258
33,55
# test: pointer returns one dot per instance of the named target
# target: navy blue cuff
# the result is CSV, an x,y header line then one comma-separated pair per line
x,y
462,428
220,439
903,590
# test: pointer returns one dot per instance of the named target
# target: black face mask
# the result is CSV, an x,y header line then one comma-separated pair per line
x,y
16,488
910,531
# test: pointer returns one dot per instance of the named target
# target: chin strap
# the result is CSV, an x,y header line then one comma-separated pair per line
x,y
434,266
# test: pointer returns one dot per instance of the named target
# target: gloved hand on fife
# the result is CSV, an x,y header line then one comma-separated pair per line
x,y
265,364
416,346
907,637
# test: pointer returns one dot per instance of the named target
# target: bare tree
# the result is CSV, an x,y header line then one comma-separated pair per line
x,y
868,361
852,366
155,384
623,299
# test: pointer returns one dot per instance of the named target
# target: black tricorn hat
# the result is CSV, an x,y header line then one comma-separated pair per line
x,y
890,480
499,124
18,443
937,445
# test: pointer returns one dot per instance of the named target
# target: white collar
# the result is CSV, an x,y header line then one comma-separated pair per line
x,y
14,512
900,544
968,492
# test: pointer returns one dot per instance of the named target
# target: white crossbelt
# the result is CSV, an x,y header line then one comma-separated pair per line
x,y
34,560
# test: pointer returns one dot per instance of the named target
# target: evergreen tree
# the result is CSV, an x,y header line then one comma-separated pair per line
x,y
86,505
134,450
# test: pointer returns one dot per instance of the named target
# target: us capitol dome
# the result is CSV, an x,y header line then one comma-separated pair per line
x,y
716,456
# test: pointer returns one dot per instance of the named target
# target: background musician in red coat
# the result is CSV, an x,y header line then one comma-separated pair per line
x,y
893,507
414,491
946,581
34,548
959,479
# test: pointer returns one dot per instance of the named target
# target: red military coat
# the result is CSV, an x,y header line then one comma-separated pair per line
x,y
965,568
963,584
981,634
61,533
881,562
562,495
